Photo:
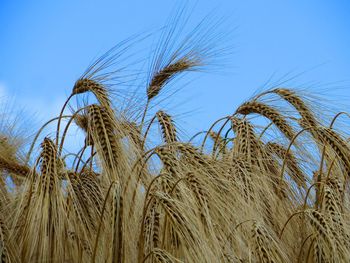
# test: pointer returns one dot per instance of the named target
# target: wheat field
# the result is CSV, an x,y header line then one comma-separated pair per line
x,y
266,183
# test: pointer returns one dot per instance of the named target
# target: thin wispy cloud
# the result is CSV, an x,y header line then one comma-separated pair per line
x,y
2,89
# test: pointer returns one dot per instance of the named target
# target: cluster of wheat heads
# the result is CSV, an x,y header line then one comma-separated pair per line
x,y
238,192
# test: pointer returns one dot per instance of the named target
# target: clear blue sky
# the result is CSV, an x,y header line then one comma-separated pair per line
x,y
46,45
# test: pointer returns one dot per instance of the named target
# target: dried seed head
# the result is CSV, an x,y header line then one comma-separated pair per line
x,y
166,156
14,167
268,112
82,121
49,164
201,195
320,224
246,142
167,126
179,220
162,77
88,85
292,98
163,256
266,248
103,133
334,140
6,147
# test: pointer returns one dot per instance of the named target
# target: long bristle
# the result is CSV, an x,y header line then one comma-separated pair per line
x,y
117,191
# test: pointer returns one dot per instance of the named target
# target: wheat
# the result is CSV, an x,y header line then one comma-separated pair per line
x,y
266,248
103,132
88,85
268,112
164,75
299,104
127,195
167,126
14,167
331,138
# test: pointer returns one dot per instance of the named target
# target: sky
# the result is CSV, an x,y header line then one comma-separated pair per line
x,y
46,45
